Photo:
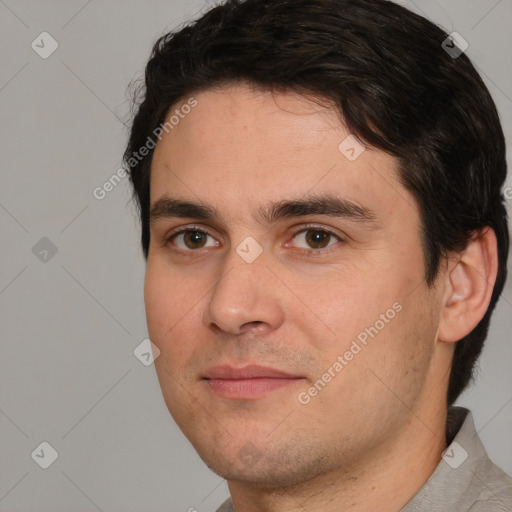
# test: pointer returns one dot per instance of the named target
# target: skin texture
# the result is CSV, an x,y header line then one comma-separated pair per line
x,y
373,435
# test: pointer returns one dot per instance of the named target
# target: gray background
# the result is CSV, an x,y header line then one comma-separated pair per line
x,y
69,325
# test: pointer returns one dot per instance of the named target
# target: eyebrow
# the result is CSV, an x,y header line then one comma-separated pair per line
x,y
332,206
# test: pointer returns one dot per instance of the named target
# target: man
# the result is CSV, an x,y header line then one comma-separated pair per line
x,y
319,184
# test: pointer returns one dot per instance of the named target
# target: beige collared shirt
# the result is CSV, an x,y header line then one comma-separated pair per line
x,y
465,479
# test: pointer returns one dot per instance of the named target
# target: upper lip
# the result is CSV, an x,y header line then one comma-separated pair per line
x,y
251,371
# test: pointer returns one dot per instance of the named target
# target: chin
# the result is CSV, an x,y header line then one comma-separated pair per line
x,y
273,470
261,477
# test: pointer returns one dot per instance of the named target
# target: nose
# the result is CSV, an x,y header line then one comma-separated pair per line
x,y
246,297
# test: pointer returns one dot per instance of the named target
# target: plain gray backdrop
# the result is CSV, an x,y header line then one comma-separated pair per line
x,y
71,279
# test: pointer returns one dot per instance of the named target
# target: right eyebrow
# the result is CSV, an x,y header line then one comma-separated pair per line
x,y
167,207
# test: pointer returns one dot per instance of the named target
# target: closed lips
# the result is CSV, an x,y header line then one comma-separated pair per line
x,y
247,372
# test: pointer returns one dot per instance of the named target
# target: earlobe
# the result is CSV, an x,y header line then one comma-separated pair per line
x,y
470,281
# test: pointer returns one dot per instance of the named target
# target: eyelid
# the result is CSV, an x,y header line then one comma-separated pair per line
x,y
188,227
307,227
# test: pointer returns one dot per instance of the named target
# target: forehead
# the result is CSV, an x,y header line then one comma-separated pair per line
x,y
240,147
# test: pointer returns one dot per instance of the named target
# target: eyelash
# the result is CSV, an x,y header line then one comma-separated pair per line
x,y
306,252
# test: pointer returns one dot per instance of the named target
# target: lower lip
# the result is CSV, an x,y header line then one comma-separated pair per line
x,y
248,388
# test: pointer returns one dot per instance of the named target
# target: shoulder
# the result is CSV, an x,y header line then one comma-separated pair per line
x,y
492,485
494,489
466,479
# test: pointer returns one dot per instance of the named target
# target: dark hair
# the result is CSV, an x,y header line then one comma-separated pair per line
x,y
393,84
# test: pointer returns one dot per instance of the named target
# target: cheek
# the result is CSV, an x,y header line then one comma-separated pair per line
x,y
343,307
168,307
159,303
374,322
174,314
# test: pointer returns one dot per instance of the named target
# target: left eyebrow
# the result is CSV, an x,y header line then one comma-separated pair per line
x,y
332,206
329,205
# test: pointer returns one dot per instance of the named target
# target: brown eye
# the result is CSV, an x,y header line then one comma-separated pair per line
x,y
194,239
316,238
190,239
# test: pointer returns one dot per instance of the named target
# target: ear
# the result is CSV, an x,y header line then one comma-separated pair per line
x,y
470,279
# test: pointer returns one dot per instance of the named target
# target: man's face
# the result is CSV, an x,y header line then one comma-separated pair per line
x,y
320,284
